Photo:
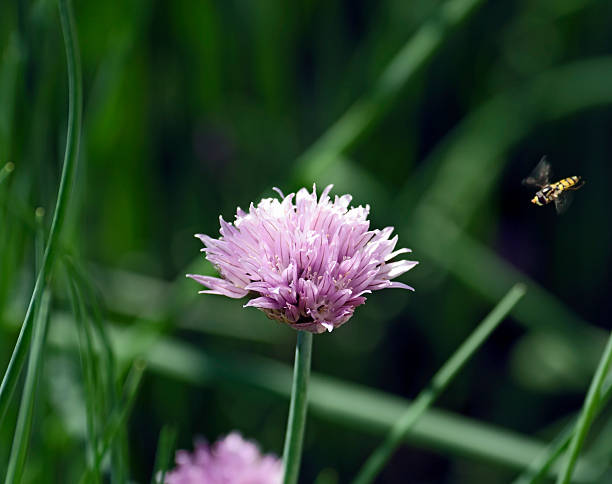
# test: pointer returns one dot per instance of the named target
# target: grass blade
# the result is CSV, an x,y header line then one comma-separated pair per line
x,y
165,447
362,114
11,376
92,397
587,414
120,415
440,381
544,461
108,361
21,439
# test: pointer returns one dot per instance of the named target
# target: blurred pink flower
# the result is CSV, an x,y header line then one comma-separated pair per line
x,y
231,460
303,261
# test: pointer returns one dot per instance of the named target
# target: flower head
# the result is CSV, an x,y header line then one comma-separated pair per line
x,y
231,460
304,261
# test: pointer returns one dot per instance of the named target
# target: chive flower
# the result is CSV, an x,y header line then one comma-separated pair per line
x,y
231,460
303,260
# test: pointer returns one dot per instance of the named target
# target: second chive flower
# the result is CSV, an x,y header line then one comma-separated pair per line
x,y
304,261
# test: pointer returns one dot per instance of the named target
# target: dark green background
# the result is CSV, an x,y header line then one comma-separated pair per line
x,y
194,108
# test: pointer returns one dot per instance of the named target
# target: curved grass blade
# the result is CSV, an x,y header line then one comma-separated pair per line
x,y
439,382
21,439
11,376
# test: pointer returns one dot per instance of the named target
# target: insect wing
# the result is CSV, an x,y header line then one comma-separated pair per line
x,y
540,175
563,201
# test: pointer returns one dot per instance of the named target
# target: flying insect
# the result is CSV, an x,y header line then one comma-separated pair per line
x,y
558,192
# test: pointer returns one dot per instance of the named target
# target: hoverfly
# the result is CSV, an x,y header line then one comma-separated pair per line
x,y
558,192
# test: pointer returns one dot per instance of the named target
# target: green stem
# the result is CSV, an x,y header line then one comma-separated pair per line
x,y
587,415
11,377
21,438
292,453
442,378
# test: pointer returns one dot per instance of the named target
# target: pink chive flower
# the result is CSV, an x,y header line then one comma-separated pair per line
x,y
231,460
303,261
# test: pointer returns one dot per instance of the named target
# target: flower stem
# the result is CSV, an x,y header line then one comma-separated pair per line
x,y
75,95
441,379
292,453
587,415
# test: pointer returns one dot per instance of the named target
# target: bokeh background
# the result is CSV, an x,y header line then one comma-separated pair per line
x,y
432,112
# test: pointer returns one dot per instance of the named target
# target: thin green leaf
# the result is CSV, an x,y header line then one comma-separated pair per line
x,y
12,60
87,356
119,469
11,376
544,461
39,241
21,438
165,448
120,415
439,382
362,115
589,410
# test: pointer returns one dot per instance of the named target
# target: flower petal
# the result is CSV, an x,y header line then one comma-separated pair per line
x,y
219,286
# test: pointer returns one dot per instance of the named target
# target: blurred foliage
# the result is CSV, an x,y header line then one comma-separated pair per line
x,y
431,112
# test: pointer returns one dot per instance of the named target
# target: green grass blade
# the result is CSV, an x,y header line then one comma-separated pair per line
x,y
10,66
119,469
543,464
39,241
362,114
21,438
119,417
587,414
11,376
439,382
86,353
165,448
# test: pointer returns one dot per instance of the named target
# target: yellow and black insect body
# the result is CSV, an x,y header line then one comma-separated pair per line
x,y
557,192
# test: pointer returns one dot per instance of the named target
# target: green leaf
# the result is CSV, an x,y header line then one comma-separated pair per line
x,y
165,447
21,438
